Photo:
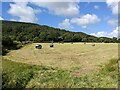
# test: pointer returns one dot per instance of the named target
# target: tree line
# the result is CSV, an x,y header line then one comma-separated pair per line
x,y
20,31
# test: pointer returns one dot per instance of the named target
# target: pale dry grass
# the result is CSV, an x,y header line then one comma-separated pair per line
x,y
67,55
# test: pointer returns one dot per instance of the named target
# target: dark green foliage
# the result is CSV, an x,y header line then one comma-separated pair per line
x,y
36,39
9,44
6,41
106,40
40,33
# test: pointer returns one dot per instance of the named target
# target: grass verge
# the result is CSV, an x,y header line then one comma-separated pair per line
x,y
19,75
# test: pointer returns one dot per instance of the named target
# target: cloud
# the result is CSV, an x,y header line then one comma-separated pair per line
x,y
113,22
13,20
24,12
86,20
84,26
1,18
113,4
100,34
66,9
114,33
83,21
66,24
96,7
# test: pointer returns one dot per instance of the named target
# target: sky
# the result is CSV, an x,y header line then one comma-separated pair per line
x,y
95,18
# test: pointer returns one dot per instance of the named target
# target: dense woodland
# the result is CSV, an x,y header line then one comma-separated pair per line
x,y
19,31
13,32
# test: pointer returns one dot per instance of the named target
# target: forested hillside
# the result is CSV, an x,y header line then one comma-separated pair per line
x,y
19,31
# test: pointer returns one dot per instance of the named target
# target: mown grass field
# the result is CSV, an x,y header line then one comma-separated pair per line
x,y
85,58
65,65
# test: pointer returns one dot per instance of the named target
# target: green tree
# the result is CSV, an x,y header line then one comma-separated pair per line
x,y
36,39
84,39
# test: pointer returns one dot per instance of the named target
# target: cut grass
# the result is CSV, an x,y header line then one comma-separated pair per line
x,y
66,56
19,75
64,66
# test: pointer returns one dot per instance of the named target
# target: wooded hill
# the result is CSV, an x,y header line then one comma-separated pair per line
x,y
20,31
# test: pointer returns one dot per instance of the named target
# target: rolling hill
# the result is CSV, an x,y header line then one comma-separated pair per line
x,y
21,31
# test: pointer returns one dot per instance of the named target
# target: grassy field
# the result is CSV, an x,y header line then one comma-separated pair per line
x,y
65,65
84,58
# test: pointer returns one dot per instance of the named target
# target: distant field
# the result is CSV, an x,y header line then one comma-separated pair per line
x,y
81,58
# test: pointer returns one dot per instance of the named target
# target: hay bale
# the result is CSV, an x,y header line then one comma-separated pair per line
x,y
38,46
93,44
61,42
51,45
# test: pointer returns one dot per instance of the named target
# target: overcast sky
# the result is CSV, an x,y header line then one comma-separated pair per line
x,y
95,18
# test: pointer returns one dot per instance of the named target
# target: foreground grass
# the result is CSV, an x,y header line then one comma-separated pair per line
x,y
19,75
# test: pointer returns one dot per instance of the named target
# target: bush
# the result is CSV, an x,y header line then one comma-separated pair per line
x,y
9,44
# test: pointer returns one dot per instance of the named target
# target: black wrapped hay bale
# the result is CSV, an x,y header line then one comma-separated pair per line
x,y
51,45
38,46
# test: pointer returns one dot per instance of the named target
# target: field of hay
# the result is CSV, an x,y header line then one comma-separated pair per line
x,y
64,66
80,57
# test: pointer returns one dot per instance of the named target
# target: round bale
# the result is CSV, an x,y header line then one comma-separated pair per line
x,y
51,45
93,44
38,46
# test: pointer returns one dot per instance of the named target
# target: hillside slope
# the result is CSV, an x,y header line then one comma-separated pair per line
x,y
38,33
